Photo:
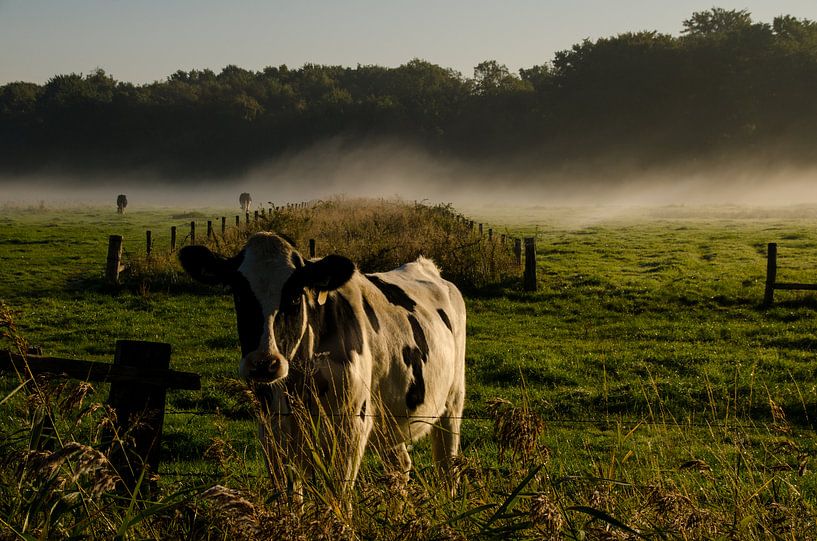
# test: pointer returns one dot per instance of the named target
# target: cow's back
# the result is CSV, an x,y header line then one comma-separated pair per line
x,y
418,352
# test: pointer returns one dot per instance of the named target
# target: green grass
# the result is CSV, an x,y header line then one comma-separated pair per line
x,y
645,349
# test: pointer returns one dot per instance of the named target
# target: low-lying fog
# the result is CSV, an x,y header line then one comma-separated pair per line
x,y
389,170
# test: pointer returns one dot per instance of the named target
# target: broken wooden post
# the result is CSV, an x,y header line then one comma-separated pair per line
x,y
139,409
771,273
529,282
114,262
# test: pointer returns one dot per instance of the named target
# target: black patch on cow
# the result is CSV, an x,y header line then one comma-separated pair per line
x,y
416,394
445,319
393,293
370,313
296,259
249,315
419,336
340,330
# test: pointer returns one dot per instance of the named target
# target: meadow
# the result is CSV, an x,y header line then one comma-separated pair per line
x,y
642,391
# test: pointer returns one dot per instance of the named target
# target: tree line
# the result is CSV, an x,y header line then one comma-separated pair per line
x,y
726,88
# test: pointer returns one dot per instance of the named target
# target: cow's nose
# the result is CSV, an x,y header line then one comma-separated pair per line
x,y
267,366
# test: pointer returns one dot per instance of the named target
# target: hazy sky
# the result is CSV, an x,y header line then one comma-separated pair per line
x,y
146,40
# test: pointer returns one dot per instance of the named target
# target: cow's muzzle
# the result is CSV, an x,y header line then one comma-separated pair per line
x,y
264,367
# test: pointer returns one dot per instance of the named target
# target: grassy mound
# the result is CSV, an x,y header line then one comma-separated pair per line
x,y
378,235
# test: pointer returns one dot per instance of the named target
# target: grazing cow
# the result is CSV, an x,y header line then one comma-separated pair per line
x,y
379,357
121,203
245,201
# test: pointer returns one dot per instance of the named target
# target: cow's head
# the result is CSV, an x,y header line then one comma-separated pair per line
x,y
274,290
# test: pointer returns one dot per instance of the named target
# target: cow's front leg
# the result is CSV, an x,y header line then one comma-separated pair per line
x,y
359,429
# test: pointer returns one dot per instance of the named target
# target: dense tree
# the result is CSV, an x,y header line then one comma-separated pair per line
x,y
726,87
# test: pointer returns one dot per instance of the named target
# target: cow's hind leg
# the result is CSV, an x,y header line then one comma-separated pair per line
x,y
445,439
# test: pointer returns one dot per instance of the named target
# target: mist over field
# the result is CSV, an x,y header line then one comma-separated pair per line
x,y
392,170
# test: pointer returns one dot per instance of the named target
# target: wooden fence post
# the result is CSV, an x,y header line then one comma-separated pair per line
x,y
193,232
173,238
209,229
480,230
255,216
490,234
139,408
517,251
771,273
311,248
237,221
247,218
223,225
530,264
114,263
147,242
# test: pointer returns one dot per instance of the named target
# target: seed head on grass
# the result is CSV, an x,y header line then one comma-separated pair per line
x,y
517,429
546,516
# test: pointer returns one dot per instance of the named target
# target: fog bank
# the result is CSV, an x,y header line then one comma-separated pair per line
x,y
390,170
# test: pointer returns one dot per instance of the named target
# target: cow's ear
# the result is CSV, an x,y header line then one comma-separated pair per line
x,y
327,274
205,266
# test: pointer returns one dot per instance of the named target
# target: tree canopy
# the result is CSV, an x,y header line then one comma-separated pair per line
x,y
726,86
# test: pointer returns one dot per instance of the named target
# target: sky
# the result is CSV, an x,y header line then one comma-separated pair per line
x,y
142,41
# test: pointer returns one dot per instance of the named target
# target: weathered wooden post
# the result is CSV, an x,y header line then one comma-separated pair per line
x,y
480,230
490,234
247,218
263,212
114,262
237,221
209,229
223,225
173,238
529,282
771,273
139,408
147,242
311,248
517,251
255,216
193,232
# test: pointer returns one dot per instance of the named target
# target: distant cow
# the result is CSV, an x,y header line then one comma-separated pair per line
x,y
377,356
245,201
121,203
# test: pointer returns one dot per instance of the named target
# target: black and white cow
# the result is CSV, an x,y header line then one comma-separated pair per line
x,y
121,203
382,355
245,201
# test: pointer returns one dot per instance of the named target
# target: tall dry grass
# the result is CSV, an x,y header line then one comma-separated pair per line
x,y
377,234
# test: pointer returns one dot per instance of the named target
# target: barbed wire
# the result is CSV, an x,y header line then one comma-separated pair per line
x,y
778,427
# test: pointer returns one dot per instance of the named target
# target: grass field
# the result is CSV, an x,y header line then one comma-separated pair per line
x,y
672,403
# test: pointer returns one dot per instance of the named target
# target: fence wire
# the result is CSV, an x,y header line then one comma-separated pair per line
x,y
565,421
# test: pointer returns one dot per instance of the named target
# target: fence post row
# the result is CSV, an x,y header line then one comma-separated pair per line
x,y
529,282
